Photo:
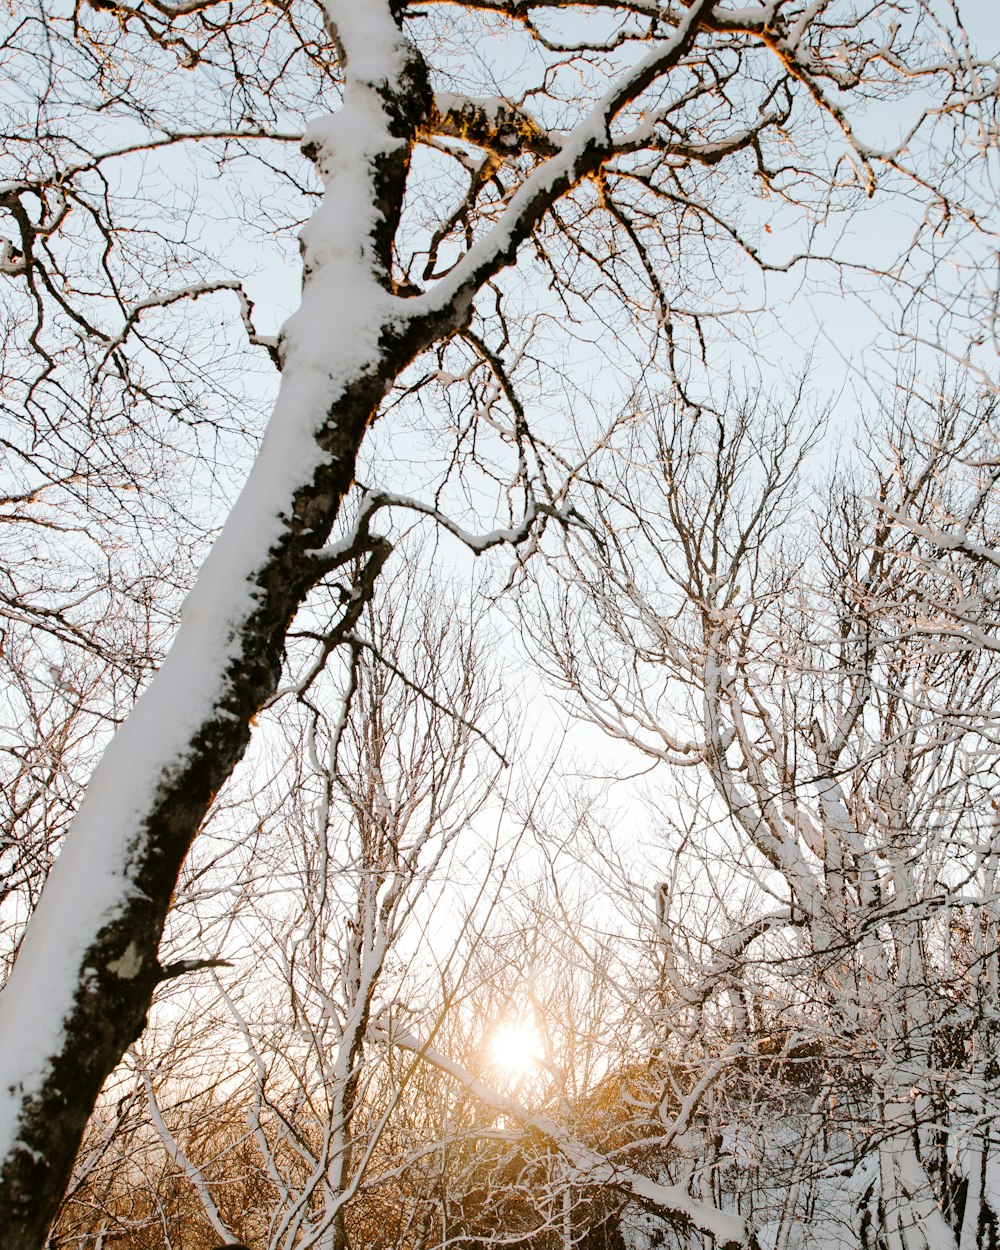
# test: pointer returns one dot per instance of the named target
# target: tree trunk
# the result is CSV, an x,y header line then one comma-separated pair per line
x,y
84,980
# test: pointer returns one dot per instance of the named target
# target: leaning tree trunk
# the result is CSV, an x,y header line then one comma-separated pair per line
x,y
84,979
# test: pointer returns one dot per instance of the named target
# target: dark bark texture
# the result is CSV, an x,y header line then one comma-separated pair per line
x,y
110,1011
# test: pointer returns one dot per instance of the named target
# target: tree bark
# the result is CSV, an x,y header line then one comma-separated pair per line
x,y
116,968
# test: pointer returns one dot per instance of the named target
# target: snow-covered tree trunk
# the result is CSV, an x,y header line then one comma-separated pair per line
x,y
82,985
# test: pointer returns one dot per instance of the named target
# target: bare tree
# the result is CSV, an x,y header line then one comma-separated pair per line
x,y
256,1103
607,163
811,670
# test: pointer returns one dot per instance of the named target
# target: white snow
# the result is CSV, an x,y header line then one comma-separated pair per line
x,y
592,1165
332,339
592,130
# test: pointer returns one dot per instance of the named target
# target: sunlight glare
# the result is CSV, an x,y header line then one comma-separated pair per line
x,y
516,1047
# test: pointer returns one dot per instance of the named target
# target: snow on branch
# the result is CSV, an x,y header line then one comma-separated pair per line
x,y
580,154
729,1232
495,125
511,535
956,540
267,341
191,1170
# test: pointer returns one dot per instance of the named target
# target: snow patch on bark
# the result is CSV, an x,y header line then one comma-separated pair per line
x,y
129,965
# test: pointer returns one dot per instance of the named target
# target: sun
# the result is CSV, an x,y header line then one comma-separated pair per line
x,y
516,1047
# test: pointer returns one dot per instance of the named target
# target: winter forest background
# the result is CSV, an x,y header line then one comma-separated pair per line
x,y
500,625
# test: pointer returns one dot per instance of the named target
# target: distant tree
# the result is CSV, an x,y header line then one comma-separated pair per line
x,y
257,1107
817,676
